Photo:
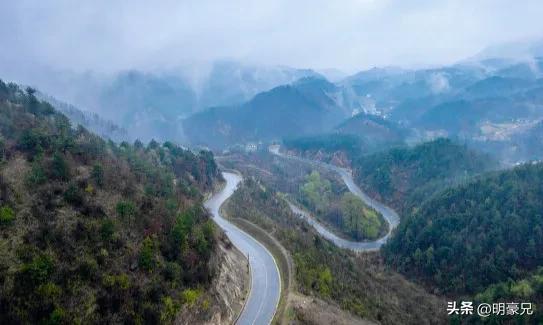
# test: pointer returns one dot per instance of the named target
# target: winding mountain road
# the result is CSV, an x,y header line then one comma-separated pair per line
x,y
265,291
389,214
265,278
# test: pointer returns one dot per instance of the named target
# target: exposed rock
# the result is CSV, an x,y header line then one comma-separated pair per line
x,y
228,291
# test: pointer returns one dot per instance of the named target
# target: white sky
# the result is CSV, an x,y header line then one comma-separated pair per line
x,y
109,35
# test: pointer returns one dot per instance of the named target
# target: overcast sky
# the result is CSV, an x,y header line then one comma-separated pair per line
x,y
109,35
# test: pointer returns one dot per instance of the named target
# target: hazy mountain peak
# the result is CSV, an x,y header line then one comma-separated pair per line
x,y
520,50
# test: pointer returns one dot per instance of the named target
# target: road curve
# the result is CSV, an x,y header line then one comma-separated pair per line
x,y
388,213
265,278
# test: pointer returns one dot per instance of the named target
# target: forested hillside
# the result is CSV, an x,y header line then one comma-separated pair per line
x,y
400,175
334,148
359,135
302,108
94,232
357,283
475,235
373,130
319,191
91,121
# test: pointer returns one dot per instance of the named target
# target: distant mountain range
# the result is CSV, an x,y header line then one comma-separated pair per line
x,y
302,108
493,100
151,104
494,112
231,83
487,103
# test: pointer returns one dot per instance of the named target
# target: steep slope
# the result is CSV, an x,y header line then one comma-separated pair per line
x,y
91,121
92,232
476,234
287,111
404,175
358,283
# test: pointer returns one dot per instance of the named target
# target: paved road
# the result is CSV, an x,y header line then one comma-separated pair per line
x,y
265,278
389,214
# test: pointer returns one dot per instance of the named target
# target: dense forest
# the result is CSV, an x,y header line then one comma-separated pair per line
x,y
401,176
325,147
360,284
377,132
398,175
477,237
94,232
362,134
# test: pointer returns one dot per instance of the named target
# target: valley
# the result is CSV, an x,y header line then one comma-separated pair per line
x,y
308,219
327,274
389,214
293,163
263,168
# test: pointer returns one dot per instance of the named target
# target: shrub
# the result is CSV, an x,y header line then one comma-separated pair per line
x,y
121,281
202,245
36,272
325,281
107,229
57,316
125,209
147,254
522,289
59,168
97,174
33,141
169,309
36,176
49,291
89,189
7,216
190,296
181,229
73,195
172,271
88,267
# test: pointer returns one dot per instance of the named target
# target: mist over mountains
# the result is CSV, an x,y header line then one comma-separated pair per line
x,y
152,104
306,162
493,104
492,100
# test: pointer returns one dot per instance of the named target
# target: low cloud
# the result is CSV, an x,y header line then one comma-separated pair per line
x,y
350,35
